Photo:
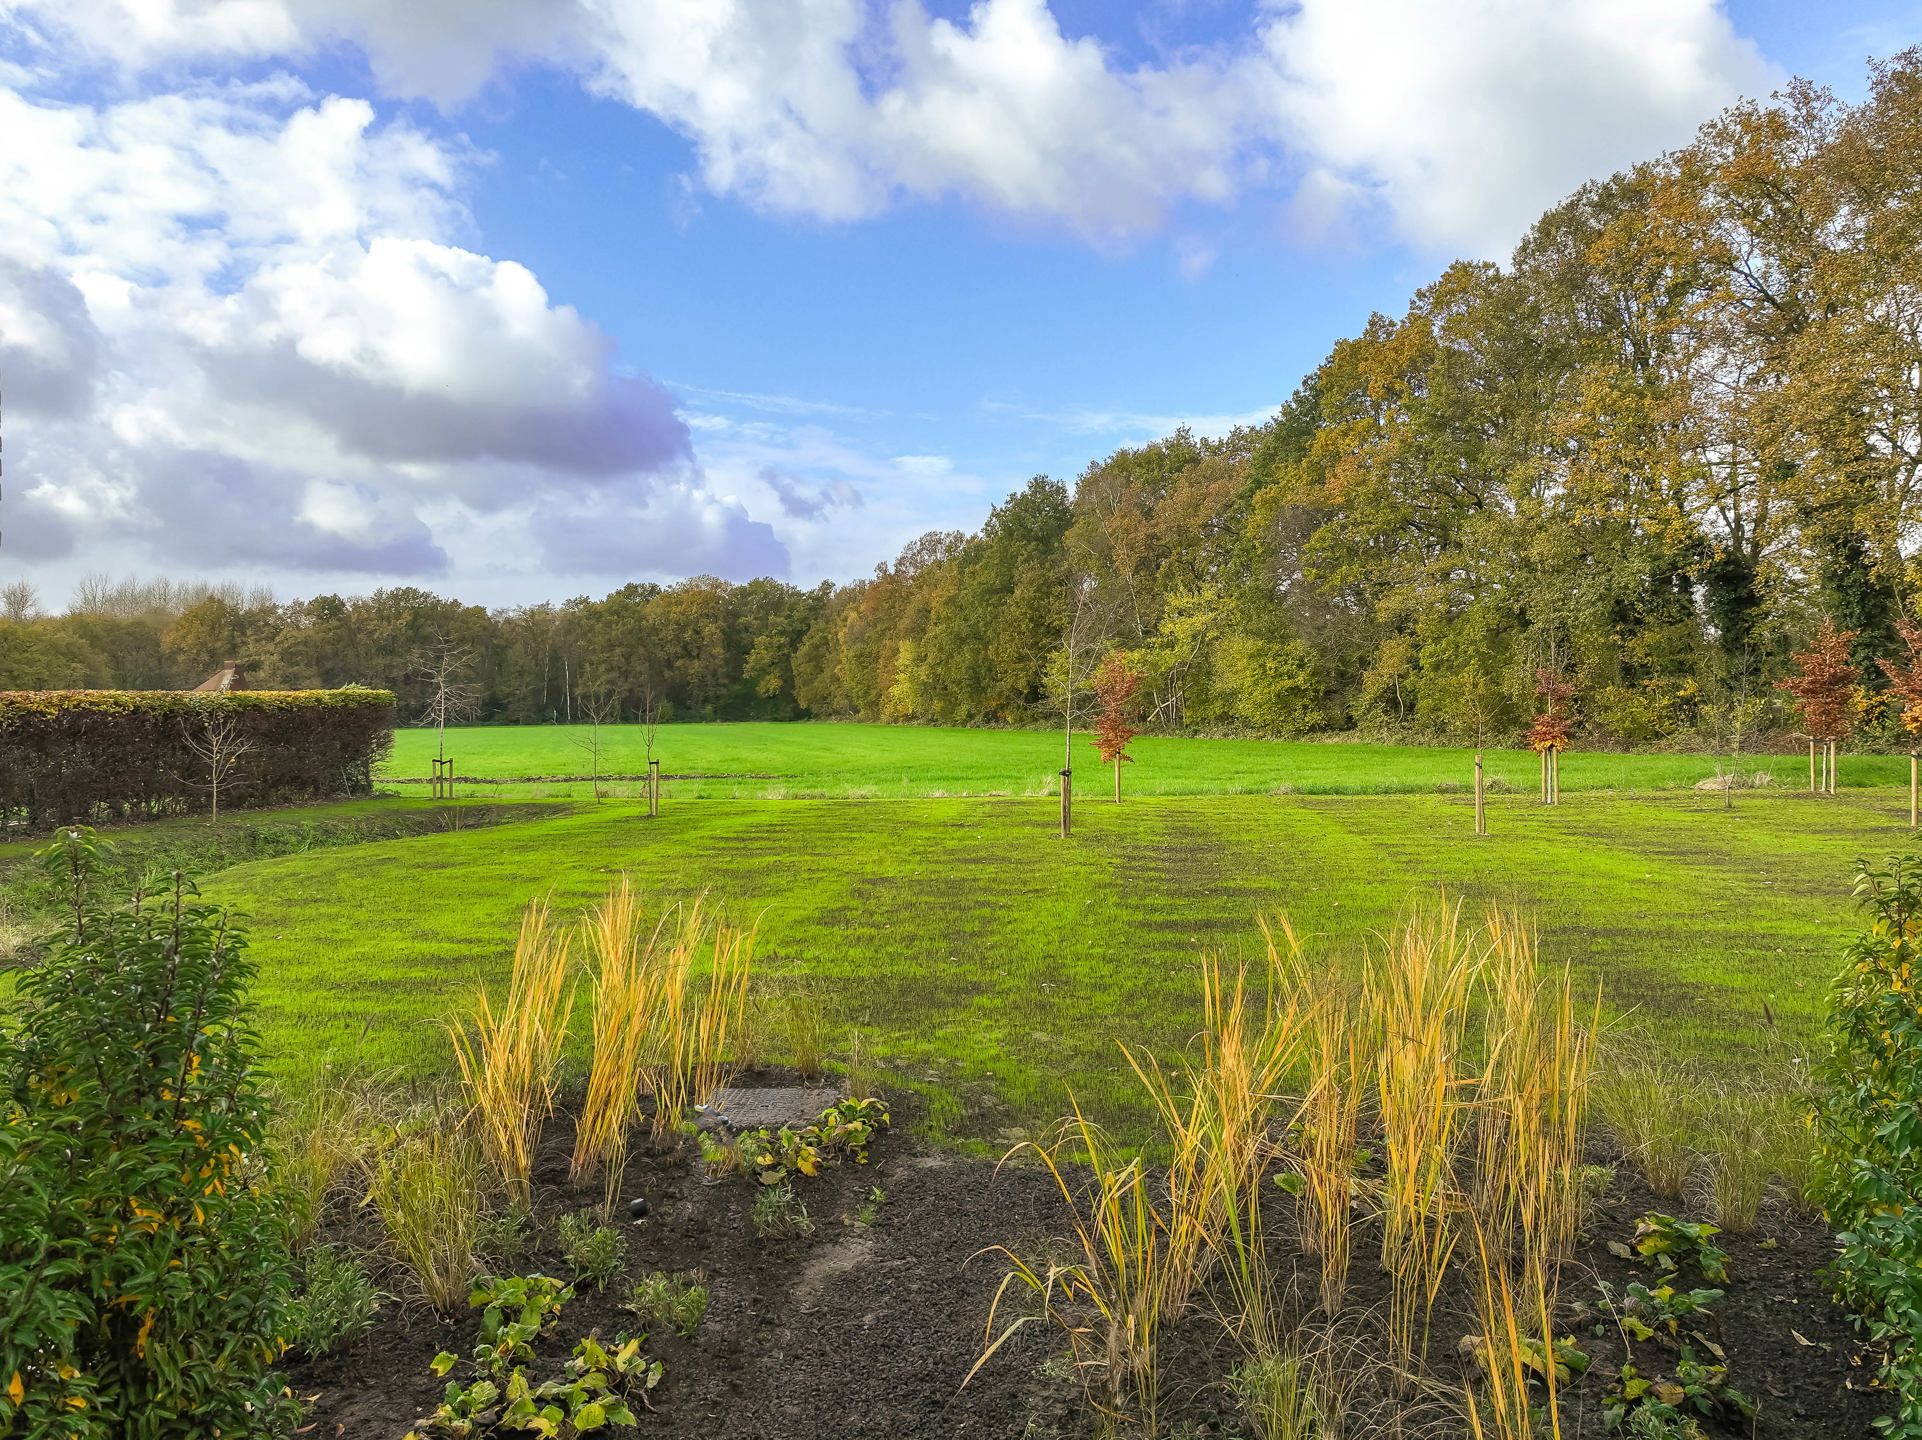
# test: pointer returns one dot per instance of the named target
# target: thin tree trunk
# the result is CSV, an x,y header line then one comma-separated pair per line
x,y
1481,812
1117,780
1912,788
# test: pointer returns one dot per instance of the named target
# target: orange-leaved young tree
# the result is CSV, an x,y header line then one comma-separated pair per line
x,y
1824,690
1115,686
1905,679
1548,736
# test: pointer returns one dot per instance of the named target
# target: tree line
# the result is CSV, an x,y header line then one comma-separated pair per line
x,y
1650,455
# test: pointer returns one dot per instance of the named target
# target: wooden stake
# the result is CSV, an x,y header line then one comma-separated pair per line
x,y
653,789
1067,802
1811,764
1554,777
1912,778
1481,811
1117,779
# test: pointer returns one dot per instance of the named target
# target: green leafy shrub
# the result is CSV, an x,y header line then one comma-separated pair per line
x,y
144,1261
334,1304
679,1300
1869,1161
594,1252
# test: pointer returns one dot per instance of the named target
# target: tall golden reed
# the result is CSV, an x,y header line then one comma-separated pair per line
x,y
625,983
1326,1157
1416,991
509,1057
694,1035
1532,1112
1218,1109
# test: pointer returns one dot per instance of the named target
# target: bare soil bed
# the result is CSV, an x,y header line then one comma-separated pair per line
x,y
867,1331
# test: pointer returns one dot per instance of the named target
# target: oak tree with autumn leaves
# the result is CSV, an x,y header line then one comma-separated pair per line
x,y
1116,684
1548,735
1824,686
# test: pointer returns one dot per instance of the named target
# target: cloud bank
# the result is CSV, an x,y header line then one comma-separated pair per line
x,y
247,322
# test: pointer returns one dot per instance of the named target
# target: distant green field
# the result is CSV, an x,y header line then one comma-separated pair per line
x,y
993,965
823,760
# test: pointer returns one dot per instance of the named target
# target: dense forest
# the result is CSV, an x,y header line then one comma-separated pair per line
x,y
1681,427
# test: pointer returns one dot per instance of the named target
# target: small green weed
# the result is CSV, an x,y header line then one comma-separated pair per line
x,y
870,1209
678,1301
593,1251
334,1305
778,1213
503,1238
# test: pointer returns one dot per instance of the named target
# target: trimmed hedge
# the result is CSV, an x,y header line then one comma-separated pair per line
x,y
94,755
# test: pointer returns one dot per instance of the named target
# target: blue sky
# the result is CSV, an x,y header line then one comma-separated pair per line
x,y
333,294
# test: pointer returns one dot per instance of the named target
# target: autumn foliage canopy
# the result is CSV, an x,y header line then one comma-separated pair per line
x,y
1550,730
1115,686
1824,683
1905,675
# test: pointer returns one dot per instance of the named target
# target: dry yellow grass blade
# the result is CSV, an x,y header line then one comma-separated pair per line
x,y
694,1034
509,1057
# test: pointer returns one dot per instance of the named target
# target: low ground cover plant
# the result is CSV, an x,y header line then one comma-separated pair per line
x,y
1670,1244
597,1387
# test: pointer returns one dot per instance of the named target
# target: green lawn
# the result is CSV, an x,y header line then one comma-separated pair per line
x,y
812,761
993,965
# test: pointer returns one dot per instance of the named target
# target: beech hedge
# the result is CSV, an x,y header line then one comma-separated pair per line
x,y
94,755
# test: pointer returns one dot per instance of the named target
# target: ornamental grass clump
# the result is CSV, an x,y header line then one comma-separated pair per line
x,y
1532,1107
1326,1157
426,1183
695,1030
626,995
509,1057
1109,1295
1416,993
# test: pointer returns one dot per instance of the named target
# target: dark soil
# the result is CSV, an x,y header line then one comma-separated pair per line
x,y
867,1332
